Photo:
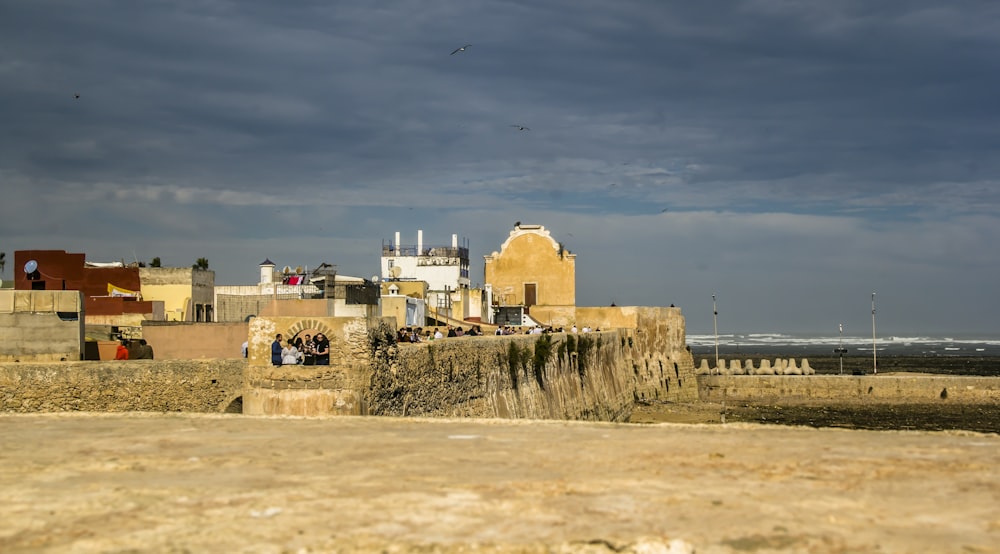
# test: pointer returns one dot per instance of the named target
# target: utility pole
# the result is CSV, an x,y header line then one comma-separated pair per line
x,y
874,350
715,324
840,349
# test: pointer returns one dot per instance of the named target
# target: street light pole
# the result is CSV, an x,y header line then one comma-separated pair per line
x,y
840,349
874,350
715,325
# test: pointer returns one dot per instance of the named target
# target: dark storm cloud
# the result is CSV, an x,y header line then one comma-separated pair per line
x,y
260,126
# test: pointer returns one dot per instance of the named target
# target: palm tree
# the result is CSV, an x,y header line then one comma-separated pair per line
x,y
201,263
155,262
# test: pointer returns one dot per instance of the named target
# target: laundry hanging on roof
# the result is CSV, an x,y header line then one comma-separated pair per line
x,y
119,291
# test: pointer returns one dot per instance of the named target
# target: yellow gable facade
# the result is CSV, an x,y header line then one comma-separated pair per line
x,y
534,270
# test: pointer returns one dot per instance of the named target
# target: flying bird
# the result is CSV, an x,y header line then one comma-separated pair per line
x,y
520,127
459,49
77,96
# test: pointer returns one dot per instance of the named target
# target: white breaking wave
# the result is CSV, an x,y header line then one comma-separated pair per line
x,y
781,339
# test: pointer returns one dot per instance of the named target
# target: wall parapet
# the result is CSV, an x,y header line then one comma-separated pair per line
x,y
849,389
210,386
781,366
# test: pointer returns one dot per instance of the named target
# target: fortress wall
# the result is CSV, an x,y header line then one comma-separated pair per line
x,y
589,376
553,376
663,365
120,386
844,389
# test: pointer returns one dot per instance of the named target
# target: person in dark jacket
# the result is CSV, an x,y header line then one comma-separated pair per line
x,y
276,350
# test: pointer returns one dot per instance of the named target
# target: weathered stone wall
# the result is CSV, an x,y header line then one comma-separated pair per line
x,y
336,389
661,361
41,325
849,389
554,376
120,386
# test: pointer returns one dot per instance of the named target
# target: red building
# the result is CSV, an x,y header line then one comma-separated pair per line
x,y
61,270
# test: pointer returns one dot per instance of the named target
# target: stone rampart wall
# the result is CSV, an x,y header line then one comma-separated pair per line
x,y
120,386
849,389
551,376
591,376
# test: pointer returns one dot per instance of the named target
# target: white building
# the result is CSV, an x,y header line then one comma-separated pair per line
x,y
441,267
344,295
445,269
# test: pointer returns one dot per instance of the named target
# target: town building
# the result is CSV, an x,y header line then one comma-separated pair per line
x,y
112,291
532,279
447,296
297,291
187,293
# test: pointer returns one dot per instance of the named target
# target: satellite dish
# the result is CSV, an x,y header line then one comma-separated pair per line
x,y
30,266
374,278
286,270
395,271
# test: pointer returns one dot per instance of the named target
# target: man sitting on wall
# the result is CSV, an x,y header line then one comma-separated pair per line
x,y
145,351
122,352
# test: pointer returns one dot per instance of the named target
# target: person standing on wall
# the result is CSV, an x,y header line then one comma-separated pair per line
x,y
276,350
322,349
309,351
290,354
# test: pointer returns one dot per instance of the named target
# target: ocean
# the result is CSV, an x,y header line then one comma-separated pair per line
x,y
816,345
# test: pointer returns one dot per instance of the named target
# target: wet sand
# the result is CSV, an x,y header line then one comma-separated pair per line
x,y
215,483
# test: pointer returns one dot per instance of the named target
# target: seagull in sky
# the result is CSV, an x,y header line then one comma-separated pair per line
x,y
459,49
520,127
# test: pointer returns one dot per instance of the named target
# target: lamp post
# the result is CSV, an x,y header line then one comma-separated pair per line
x,y
874,350
715,325
840,349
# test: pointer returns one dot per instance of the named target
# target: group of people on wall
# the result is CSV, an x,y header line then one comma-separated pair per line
x,y
301,351
316,350
419,334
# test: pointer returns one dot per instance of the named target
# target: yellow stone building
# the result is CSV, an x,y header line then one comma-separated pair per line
x,y
534,274
187,293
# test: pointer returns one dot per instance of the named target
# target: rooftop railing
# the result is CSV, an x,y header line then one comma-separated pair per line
x,y
411,250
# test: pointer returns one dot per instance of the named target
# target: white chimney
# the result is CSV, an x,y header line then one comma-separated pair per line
x,y
420,242
454,241
397,243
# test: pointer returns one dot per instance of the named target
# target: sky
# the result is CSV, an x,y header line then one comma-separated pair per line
x,y
789,157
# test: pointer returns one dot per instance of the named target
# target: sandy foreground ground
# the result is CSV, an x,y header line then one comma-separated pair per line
x,y
224,483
